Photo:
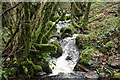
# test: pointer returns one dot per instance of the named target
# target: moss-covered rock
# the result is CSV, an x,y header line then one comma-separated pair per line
x,y
117,75
59,49
81,41
66,32
109,44
46,68
46,48
26,63
65,35
87,55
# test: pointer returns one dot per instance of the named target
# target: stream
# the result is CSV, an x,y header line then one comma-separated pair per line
x,y
69,49
64,67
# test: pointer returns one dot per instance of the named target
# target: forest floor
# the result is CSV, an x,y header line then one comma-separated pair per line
x,y
103,22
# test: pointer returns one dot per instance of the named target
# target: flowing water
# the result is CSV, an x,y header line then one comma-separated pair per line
x,y
69,49
65,64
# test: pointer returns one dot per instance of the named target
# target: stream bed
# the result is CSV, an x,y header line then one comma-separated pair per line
x,y
63,65
66,63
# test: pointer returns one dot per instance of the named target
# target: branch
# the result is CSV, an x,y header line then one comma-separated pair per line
x,y
9,9
10,40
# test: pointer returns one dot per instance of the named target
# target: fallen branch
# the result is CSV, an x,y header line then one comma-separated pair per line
x,y
6,47
9,9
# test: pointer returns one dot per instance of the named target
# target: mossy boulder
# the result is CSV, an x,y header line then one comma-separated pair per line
x,y
46,68
59,49
66,32
81,41
117,75
65,35
87,55
46,48
109,44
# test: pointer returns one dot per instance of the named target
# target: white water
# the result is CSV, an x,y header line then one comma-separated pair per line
x,y
69,49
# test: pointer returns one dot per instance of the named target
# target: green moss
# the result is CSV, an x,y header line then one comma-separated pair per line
x,y
68,17
45,37
87,55
31,70
66,30
29,67
25,69
46,48
117,75
59,49
55,18
65,35
110,58
46,68
109,44
81,41
15,71
36,67
63,18
48,25
30,63
23,63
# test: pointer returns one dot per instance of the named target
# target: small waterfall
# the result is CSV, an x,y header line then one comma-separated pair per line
x,y
69,49
64,65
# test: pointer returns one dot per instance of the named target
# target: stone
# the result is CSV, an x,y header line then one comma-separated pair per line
x,y
92,74
59,49
87,55
68,58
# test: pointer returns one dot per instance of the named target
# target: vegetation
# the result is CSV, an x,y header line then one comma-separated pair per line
x,y
59,51
28,27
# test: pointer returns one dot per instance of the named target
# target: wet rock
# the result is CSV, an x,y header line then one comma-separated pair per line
x,y
71,76
60,74
63,35
91,74
80,67
101,75
66,32
41,73
46,68
68,58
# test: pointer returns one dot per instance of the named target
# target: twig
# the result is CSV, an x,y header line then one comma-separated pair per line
x,y
9,9
6,47
13,53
